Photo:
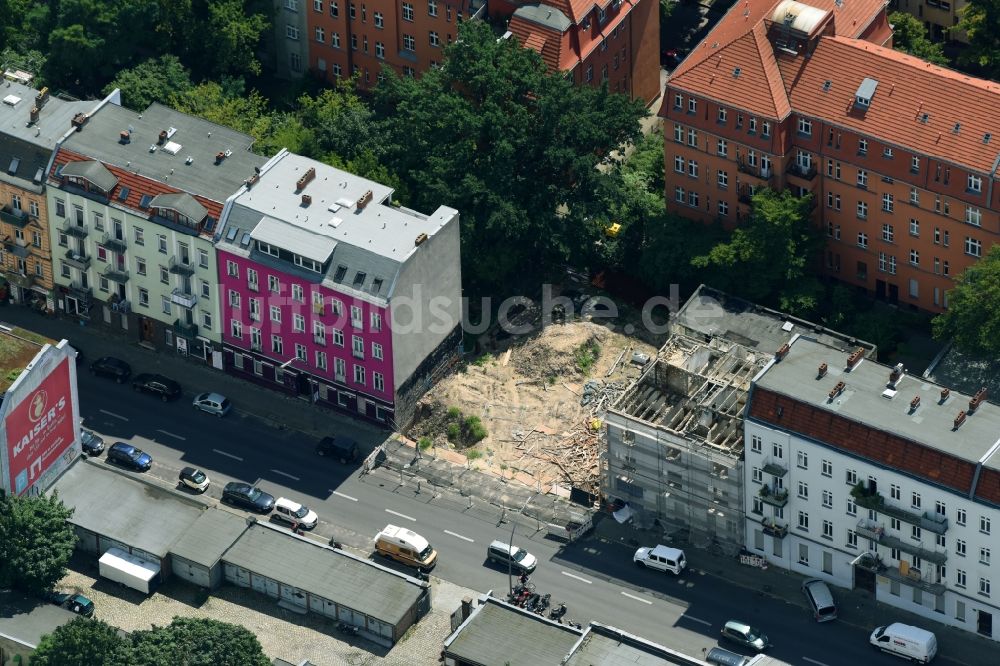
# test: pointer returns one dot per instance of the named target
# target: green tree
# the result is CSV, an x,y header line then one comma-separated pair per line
x,y
979,21
909,35
154,80
82,642
667,247
197,642
972,320
512,146
340,123
235,28
36,541
771,259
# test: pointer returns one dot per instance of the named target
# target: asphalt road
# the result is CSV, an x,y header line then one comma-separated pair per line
x,y
596,580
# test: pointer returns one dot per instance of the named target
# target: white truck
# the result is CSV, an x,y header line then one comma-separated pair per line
x,y
129,570
573,528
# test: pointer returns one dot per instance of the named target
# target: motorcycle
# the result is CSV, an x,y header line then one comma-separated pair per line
x,y
557,612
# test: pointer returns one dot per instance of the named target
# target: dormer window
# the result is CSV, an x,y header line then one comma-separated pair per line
x,y
267,248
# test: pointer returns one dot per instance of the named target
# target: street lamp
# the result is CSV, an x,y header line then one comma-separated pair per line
x,y
510,562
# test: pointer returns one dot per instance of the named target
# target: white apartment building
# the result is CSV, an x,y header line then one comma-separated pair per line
x,y
866,477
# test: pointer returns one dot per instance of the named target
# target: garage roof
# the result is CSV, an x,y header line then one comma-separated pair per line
x,y
331,574
209,537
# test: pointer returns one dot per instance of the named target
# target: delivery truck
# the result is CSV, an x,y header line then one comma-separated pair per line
x,y
129,570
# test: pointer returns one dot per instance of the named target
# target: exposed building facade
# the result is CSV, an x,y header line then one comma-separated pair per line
x,y
940,17
617,41
866,477
675,445
134,201
333,291
900,156
31,124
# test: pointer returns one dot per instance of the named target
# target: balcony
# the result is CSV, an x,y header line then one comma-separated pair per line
x,y
70,228
876,533
14,216
774,496
773,529
22,280
930,521
745,193
79,292
114,244
774,469
912,576
183,299
184,329
181,267
799,171
119,275
77,260
763,173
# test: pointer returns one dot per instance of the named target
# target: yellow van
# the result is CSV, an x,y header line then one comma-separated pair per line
x,y
405,546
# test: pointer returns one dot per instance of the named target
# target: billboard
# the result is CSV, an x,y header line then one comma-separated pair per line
x,y
40,429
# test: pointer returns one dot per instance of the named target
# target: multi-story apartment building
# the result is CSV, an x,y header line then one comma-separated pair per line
x,y
333,291
134,199
940,17
31,123
899,155
617,42
290,43
408,36
866,477
674,441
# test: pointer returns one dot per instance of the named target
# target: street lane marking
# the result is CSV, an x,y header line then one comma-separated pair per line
x,y
228,455
346,497
459,536
632,596
286,474
813,661
113,415
579,578
694,619
170,434
401,515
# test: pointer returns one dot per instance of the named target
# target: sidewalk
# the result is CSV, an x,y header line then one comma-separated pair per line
x,y
855,607
277,409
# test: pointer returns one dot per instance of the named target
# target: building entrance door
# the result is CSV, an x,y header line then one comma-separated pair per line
x,y
984,624
146,329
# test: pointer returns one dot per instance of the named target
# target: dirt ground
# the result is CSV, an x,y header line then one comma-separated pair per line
x,y
527,391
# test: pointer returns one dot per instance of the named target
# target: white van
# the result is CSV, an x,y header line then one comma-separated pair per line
x,y
905,641
661,558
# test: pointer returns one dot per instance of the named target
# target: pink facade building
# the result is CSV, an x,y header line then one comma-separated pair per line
x,y
331,290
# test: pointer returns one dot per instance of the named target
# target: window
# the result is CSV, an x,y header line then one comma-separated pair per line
x,y
252,280
678,130
960,547
277,346
321,360
407,11
755,444
377,381
165,304
973,247
379,50
723,208
915,164
833,200
377,351
376,321
276,314
693,137
335,43
338,337
894,492
678,101
722,148
827,529
60,208
777,450
803,490
862,146
291,32
852,539
805,126
409,43
140,266
852,507
862,239
679,164
852,477
960,578
887,152
984,524
232,269
206,321
692,105
722,115
753,125
894,524
827,499
98,221
693,168
758,475
379,20
984,556
143,297
434,39
234,298
960,517
161,244
723,179
300,352
915,533
803,521
765,129
984,587
914,257
693,199
298,323
432,8
320,35
974,183
862,210
862,178
356,316
164,274
827,468
802,459
359,374
887,233
273,284
887,203
254,309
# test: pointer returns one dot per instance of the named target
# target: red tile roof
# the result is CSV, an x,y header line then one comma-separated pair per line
x,y
907,88
575,10
862,440
138,185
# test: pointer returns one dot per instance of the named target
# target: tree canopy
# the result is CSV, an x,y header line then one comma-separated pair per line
x,y
511,146
154,80
82,642
972,320
36,541
979,21
909,35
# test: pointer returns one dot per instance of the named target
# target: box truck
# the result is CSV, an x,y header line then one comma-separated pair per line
x,y
129,570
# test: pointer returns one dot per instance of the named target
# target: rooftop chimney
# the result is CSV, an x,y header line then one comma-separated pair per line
x,y
42,97
252,180
960,419
914,404
420,239
79,120
124,136
162,138
896,374
853,359
466,608
365,198
219,156
33,115
977,400
306,178
821,373
782,352
837,390
944,395
306,199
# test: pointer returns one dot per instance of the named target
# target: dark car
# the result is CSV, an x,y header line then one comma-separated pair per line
x,y
129,456
343,449
159,385
77,603
247,497
111,367
672,57
92,443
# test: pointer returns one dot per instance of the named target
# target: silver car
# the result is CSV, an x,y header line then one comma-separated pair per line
x,y
213,403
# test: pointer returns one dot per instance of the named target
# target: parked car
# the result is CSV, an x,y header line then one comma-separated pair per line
x,y
194,478
906,641
159,385
745,635
661,558
343,449
77,603
129,456
672,57
506,555
112,368
213,403
248,497
293,513
93,444
820,600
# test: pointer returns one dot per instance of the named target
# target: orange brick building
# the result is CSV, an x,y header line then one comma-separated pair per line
x,y
900,155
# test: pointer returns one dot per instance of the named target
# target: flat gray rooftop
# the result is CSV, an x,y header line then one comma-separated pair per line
x,y
209,537
125,509
710,313
53,118
194,137
500,634
26,619
931,425
365,587
606,646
